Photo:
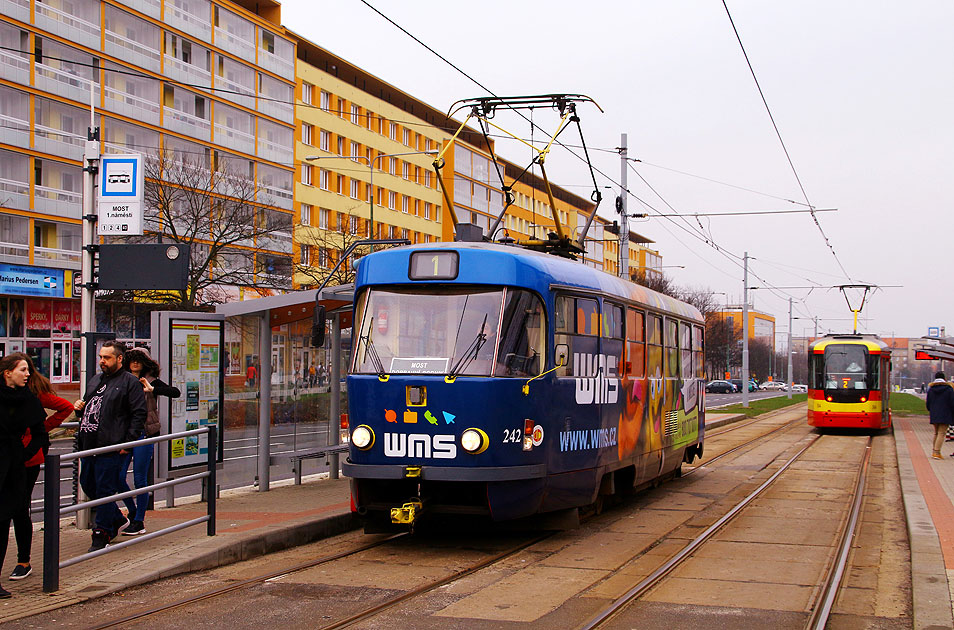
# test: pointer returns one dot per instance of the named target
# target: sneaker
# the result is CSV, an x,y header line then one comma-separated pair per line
x,y
100,540
20,572
937,456
5,594
137,527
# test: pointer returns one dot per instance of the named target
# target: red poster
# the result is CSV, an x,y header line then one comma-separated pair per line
x,y
37,314
62,316
77,315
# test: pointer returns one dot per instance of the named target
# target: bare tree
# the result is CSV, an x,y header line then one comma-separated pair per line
x,y
658,282
322,247
236,236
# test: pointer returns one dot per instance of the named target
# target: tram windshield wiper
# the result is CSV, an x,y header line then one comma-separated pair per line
x,y
472,351
369,351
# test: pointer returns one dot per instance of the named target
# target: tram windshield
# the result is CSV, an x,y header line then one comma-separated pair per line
x,y
449,331
844,366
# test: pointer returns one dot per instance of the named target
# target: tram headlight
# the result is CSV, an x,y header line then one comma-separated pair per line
x,y
362,437
474,441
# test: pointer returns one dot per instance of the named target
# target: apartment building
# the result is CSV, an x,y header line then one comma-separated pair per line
x,y
207,82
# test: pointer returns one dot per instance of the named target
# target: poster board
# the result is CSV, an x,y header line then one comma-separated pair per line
x,y
191,353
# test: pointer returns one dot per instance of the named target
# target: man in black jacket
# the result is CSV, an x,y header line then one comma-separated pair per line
x,y
113,412
940,403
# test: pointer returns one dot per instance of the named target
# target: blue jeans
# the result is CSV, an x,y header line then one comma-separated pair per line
x,y
99,475
141,457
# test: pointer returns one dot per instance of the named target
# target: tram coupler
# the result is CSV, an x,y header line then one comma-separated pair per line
x,y
408,513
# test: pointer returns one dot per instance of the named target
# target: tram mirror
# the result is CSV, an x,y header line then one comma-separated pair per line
x,y
318,327
562,352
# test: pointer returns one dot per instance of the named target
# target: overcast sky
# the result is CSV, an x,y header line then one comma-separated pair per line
x,y
862,94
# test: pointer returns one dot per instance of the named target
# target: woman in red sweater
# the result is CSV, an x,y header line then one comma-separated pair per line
x,y
22,523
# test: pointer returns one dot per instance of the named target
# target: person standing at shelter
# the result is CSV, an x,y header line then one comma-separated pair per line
x,y
40,386
940,404
20,411
113,411
140,363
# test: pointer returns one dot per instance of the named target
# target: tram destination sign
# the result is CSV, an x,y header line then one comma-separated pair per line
x,y
121,183
426,365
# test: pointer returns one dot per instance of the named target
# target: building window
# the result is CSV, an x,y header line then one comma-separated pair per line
x,y
404,233
306,133
370,118
427,178
367,192
306,255
391,199
392,166
306,174
393,131
323,179
427,210
407,137
342,112
323,257
306,214
354,188
355,151
323,218
353,225
325,100
404,203
355,114
341,185
325,138
406,170
341,145
307,93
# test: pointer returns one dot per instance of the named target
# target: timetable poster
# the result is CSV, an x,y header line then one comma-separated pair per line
x,y
197,371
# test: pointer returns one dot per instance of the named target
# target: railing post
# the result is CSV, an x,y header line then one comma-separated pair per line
x,y
51,524
213,451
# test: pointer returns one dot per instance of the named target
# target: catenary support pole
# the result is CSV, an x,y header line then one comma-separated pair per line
x,y
335,407
745,331
624,217
264,399
790,379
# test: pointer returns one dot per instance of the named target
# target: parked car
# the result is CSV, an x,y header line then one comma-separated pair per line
x,y
753,386
799,388
775,386
720,387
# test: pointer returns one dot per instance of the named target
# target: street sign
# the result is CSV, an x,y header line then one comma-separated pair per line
x,y
934,331
121,183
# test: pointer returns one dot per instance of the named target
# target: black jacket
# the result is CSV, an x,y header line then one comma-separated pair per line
x,y
940,402
19,410
122,416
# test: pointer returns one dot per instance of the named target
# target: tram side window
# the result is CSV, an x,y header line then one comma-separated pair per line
x,y
635,365
698,350
685,348
672,348
612,321
576,323
523,336
654,353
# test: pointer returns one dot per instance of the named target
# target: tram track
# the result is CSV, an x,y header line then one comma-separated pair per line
x,y
423,589
824,596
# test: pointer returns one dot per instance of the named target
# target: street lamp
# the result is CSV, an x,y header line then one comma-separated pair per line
x,y
370,162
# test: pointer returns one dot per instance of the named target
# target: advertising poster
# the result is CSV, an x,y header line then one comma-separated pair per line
x,y
196,370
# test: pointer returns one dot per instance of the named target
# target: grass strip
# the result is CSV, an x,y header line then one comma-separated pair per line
x,y
907,405
764,405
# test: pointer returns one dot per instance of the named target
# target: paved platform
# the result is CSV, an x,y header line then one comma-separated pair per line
x,y
252,523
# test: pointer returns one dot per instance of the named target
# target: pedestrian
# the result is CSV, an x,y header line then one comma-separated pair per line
x,y
113,411
312,374
940,404
141,364
250,375
40,386
20,411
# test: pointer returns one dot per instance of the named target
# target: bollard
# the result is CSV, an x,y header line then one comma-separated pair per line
x,y
211,494
51,524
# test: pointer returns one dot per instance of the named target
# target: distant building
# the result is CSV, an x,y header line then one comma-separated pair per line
x,y
761,326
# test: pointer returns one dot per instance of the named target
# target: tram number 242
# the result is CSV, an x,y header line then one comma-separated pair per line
x,y
512,436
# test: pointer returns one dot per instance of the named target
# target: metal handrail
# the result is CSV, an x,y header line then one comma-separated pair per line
x,y
52,510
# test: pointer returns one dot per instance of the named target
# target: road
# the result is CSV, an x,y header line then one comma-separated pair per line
x,y
714,401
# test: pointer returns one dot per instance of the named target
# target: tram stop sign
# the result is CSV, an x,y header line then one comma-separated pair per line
x,y
144,267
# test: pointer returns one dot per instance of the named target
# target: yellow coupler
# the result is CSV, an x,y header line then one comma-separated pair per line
x,y
407,513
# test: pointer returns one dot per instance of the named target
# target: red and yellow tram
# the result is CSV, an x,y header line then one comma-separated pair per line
x,y
849,382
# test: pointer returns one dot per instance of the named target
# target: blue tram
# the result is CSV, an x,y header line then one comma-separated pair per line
x,y
491,380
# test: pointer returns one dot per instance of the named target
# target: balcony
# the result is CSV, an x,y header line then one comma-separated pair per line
x,y
275,196
193,126
14,252
57,257
284,68
227,89
278,242
132,51
187,22
14,131
65,84
234,140
186,72
235,44
274,152
135,107
16,9
14,194
66,25
152,8
62,203
59,142
277,109
13,66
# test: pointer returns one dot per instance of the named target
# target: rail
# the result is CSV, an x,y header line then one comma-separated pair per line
x,y
53,510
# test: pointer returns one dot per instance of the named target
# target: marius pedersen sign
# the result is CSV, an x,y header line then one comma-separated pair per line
x,y
120,195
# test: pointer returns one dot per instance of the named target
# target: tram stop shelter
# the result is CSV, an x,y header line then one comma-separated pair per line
x,y
282,390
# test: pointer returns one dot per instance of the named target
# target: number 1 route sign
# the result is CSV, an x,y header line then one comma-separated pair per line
x,y
120,195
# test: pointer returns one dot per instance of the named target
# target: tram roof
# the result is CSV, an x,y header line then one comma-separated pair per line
x,y
871,342
495,264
